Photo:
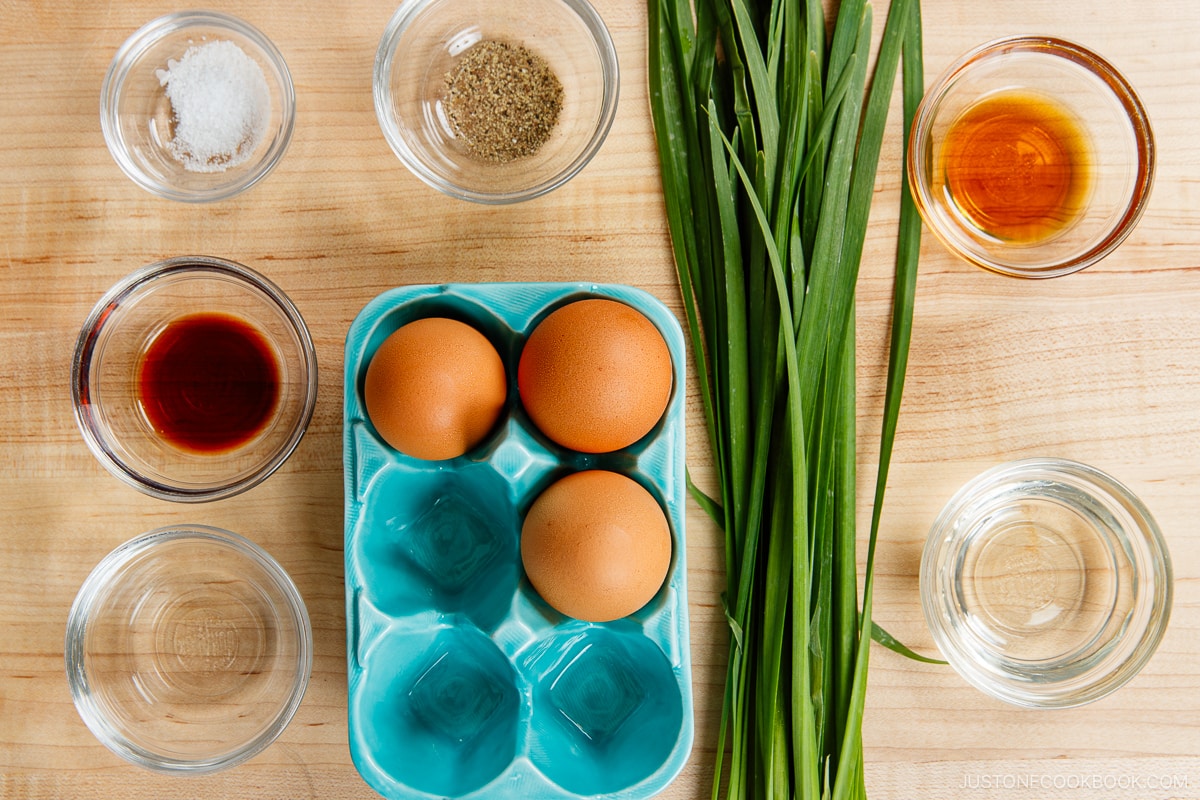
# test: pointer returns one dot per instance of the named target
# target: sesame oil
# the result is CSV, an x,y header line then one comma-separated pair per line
x,y
1017,166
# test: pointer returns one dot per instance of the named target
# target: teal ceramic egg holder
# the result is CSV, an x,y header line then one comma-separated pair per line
x,y
463,682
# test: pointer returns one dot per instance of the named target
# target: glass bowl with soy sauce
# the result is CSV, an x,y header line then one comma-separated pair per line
x,y
496,102
194,379
1031,157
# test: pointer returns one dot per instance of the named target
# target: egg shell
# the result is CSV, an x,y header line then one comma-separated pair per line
x,y
596,546
435,388
595,376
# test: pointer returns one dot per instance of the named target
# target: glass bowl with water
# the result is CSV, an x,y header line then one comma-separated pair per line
x,y
1046,583
188,650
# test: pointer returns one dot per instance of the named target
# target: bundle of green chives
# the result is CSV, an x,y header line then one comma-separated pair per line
x,y
768,160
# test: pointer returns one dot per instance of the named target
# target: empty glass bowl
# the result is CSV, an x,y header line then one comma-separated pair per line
x,y
202,416
424,42
188,650
1031,157
223,96
1046,583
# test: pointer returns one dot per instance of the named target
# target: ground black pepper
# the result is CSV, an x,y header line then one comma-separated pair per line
x,y
502,101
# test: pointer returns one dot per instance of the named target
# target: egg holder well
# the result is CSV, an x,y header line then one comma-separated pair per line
x,y
463,682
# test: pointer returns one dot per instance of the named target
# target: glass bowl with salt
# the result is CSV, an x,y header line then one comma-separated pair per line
x,y
197,106
496,102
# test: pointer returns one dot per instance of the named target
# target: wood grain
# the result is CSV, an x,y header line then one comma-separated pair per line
x,y
1103,366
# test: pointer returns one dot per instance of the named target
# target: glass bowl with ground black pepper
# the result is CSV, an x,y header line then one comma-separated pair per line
x,y
197,106
496,103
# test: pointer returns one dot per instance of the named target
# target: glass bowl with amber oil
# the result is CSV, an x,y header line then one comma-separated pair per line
x,y
1031,157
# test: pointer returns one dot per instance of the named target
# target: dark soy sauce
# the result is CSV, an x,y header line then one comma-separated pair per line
x,y
208,382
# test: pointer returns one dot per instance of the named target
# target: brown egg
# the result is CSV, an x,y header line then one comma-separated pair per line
x,y
595,376
596,546
435,388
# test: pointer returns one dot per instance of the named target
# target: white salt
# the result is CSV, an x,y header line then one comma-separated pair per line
x,y
221,105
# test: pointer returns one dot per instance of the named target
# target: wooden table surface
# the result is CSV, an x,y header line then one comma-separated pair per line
x,y
1102,366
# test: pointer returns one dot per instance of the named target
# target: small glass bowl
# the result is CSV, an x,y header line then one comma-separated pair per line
x,y
420,47
1117,150
1046,583
136,115
108,358
188,650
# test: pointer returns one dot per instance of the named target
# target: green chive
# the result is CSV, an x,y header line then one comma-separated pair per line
x,y
769,143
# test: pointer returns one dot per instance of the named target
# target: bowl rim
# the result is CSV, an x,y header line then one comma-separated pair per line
x,y
1121,90
404,16
75,655
1160,579
146,37
85,347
